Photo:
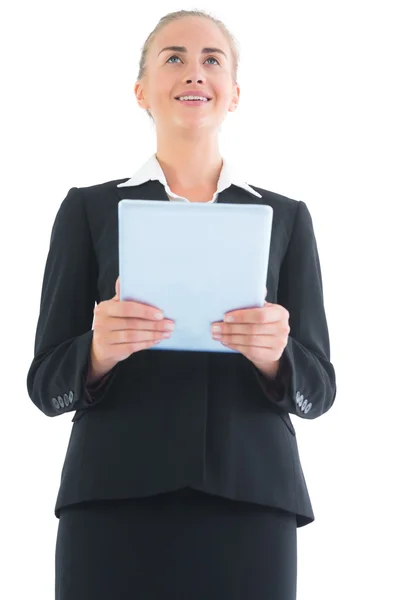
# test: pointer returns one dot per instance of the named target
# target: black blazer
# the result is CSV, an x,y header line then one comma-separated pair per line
x,y
164,420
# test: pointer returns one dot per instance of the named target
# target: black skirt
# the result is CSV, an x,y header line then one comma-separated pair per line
x,y
183,545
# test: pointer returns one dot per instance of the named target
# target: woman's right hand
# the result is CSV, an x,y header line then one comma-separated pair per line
x,y
122,328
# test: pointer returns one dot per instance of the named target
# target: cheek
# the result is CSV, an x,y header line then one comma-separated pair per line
x,y
225,101
160,90
224,90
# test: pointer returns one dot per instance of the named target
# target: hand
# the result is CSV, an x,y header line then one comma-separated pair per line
x,y
260,334
122,328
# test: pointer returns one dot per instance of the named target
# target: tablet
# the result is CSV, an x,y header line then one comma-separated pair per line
x,y
194,261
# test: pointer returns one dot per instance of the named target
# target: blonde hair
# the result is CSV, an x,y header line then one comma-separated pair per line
x,y
180,14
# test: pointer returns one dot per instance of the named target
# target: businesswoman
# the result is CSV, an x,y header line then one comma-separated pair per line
x,y
182,477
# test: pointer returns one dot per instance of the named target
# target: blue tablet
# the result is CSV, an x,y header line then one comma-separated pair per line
x,y
194,261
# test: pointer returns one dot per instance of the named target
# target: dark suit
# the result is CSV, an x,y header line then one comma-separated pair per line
x,y
166,419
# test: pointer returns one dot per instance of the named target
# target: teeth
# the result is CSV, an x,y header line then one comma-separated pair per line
x,y
193,98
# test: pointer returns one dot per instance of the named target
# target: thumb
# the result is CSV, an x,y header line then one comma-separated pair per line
x,y
266,303
117,289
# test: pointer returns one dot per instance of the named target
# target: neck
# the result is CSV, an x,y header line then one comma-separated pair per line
x,y
190,163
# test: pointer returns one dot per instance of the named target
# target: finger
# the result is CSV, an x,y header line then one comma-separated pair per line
x,y
134,347
134,323
130,308
136,336
246,315
257,341
269,313
247,328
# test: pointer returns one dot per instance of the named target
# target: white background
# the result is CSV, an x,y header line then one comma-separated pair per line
x,y
319,122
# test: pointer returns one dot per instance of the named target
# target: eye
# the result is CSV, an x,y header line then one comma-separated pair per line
x,y
174,56
209,58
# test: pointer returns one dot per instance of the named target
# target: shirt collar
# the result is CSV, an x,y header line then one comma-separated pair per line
x,y
151,170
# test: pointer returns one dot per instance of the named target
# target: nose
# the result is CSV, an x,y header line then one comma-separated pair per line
x,y
191,80
194,73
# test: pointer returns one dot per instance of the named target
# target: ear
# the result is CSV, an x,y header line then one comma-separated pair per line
x,y
140,97
235,99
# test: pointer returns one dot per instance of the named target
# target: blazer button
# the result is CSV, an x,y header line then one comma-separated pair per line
x,y
71,397
308,407
61,401
66,399
299,399
55,403
304,404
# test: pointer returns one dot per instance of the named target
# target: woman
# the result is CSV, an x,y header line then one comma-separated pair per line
x,y
182,477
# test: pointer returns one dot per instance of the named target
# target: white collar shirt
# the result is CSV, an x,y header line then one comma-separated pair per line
x,y
151,170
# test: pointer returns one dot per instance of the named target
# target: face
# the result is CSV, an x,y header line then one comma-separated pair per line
x,y
172,73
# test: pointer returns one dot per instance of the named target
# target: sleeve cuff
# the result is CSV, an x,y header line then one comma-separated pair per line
x,y
91,389
276,388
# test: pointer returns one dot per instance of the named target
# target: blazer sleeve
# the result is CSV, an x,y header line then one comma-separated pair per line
x,y
305,384
56,379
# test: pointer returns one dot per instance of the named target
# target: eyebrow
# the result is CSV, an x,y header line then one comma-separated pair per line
x,y
183,49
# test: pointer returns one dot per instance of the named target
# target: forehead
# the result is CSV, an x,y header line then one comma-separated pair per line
x,y
192,32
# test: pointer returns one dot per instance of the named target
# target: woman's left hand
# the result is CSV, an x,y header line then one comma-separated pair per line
x,y
260,334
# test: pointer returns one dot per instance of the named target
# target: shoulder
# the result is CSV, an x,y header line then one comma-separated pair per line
x,y
100,188
294,206
285,208
290,215
275,199
96,195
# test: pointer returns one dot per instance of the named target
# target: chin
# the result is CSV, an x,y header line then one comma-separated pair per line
x,y
193,123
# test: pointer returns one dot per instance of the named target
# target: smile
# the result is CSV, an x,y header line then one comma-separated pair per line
x,y
193,102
